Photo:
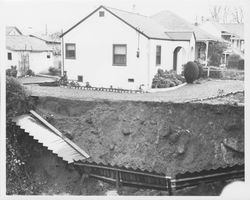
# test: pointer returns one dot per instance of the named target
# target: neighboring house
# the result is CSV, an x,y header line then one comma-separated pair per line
x,y
26,52
173,22
111,47
233,33
54,44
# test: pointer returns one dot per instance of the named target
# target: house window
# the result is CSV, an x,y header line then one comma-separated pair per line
x,y
9,56
131,80
158,55
101,13
120,54
80,78
70,51
48,55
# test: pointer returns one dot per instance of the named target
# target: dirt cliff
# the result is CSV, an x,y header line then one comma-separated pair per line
x,y
166,137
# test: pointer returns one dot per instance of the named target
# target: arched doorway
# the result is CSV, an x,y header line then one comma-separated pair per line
x,y
178,59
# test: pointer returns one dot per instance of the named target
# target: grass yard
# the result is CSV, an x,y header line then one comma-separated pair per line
x,y
189,92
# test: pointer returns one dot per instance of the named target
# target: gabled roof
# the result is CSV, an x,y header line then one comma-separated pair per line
x,y
8,29
46,38
25,43
186,35
173,22
236,29
145,25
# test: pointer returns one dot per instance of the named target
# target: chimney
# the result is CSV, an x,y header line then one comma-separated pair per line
x,y
133,8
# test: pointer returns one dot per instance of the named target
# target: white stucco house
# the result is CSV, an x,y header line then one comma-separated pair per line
x,y
111,47
25,52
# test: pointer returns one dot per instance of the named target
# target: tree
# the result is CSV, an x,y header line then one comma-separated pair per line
x,y
237,15
215,12
18,102
215,52
226,14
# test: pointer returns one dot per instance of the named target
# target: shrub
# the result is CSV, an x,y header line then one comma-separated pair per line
x,y
215,51
200,67
233,61
29,73
74,84
17,171
191,72
54,71
241,64
12,71
165,79
17,99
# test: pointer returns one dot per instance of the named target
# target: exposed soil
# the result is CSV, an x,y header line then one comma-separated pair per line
x,y
169,138
165,137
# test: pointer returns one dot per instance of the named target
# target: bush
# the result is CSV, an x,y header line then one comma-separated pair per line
x,y
17,171
215,51
30,73
165,79
17,99
233,61
241,64
200,67
12,71
191,72
54,71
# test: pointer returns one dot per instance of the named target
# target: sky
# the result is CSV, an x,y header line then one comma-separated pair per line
x,y
34,16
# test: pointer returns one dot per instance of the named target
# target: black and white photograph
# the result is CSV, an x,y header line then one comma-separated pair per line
x,y
124,98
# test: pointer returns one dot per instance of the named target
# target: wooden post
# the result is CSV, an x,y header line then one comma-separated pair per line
x,y
62,55
169,187
207,43
118,182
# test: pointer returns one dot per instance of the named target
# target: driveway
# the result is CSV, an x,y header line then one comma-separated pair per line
x,y
186,93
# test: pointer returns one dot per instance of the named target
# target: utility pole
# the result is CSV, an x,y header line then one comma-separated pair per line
x,y
46,29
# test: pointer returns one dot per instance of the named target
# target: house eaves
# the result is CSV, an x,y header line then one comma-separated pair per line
x,y
144,30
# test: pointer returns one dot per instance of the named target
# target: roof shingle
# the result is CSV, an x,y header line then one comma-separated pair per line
x,y
25,43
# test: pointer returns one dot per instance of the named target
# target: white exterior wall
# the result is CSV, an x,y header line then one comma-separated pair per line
x,y
38,61
13,61
94,40
167,54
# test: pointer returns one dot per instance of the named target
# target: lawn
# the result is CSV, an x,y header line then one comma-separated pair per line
x,y
189,92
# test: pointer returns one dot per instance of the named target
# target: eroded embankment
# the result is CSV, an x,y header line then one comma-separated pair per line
x,y
166,137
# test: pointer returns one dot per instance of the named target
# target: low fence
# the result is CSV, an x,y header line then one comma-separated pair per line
x,y
116,90
223,73
122,176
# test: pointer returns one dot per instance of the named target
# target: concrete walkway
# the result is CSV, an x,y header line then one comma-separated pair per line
x,y
186,93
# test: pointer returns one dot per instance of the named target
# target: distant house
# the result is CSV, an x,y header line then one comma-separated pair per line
x,y
111,47
231,32
55,44
27,52
174,22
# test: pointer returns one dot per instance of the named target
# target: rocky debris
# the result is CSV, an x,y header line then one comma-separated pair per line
x,y
152,122
233,144
181,148
68,135
89,121
233,127
94,131
126,132
111,147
